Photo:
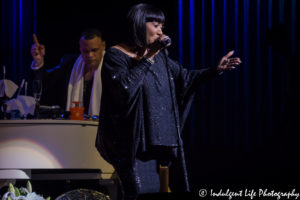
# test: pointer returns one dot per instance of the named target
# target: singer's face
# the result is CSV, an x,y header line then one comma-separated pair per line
x,y
153,31
92,51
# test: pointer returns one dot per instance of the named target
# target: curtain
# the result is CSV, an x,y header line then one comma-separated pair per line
x,y
243,124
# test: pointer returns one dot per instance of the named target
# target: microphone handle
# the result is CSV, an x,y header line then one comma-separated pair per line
x,y
165,42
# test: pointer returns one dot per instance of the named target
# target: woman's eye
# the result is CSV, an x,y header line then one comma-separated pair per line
x,y
159,26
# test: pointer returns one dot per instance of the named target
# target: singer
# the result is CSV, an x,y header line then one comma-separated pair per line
x,y
146,99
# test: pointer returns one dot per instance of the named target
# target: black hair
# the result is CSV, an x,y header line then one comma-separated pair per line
x,y
137,17
91,33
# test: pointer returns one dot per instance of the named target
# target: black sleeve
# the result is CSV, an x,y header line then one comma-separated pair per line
x,y
55,81
122,75
189,81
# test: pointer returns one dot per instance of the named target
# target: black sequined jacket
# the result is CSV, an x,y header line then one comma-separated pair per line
x,y
133,112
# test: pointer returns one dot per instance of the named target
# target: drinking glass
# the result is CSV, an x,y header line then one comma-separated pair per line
x,y
37,93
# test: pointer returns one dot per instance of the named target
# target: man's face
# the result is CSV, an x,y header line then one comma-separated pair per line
x,y
92,51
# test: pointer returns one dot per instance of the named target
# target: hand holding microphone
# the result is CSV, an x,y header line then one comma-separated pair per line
x,y
160,43
165,41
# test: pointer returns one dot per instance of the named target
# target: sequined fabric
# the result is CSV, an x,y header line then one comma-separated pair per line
x,y
143,108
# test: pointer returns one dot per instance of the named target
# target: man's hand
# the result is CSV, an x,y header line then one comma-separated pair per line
x,y
37,51
227,63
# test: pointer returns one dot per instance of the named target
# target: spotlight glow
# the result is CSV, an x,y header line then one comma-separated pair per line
x,y
24,153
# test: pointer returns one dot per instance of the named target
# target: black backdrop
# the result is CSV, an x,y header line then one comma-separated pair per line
x,y
59,23
243,127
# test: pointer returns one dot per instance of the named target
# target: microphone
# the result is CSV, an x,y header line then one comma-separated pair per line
x,y
166,42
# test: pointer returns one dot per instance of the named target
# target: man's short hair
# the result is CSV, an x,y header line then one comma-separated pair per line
x,y
91,33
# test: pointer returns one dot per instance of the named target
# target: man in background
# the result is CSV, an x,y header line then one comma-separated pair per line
x,y
76,78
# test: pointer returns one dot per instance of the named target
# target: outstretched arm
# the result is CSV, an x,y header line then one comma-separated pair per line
x,y
188,81
227,63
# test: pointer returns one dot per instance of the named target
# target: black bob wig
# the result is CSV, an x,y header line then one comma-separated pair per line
x,y
137,17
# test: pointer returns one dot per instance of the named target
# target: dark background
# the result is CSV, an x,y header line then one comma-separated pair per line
x,y
244,125
60,30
